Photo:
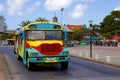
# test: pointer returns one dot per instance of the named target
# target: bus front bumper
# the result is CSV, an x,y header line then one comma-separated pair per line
x,y
49,59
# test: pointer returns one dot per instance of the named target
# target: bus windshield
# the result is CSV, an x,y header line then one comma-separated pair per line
x,y
44,35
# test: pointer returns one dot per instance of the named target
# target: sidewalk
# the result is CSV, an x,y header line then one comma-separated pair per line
x,y
106,55
4,73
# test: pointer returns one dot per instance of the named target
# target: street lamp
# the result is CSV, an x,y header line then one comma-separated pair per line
x,y
90,24
61,14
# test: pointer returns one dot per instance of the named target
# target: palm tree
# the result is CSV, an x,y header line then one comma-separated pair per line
x,y
41,20
24,23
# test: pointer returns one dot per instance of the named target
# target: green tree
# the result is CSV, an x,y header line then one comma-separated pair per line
x,y
79,34
95,28
41,20
111,25
7,36
24,23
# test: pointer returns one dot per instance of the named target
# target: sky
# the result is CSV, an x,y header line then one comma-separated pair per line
x,y
74,12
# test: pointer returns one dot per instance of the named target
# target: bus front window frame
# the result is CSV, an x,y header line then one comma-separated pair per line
x,y
47,35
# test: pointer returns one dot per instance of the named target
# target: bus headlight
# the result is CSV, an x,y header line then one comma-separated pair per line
x,y
33,54
65,45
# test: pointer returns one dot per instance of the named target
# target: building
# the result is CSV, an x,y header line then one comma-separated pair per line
x,y
68,29
2,25
10,40
74,27
115,38
55,19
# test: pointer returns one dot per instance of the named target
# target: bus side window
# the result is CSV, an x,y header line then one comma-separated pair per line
x,y
18,41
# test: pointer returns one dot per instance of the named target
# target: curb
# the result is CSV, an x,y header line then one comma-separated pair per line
x,y
96,61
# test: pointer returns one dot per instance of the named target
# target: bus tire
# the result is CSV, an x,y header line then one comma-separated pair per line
x,y
18,57
14,52
29,65
64,65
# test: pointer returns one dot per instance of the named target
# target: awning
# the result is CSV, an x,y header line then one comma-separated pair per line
x,y
116,38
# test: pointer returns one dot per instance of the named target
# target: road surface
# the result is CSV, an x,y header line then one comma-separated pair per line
x,y
78,70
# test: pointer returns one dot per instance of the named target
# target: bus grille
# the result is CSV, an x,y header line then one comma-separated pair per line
x,y
51,49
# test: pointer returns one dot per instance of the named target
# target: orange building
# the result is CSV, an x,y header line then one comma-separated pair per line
x,y
115,38
73,27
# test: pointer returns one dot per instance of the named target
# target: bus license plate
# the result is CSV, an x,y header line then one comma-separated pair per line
x,y
51,59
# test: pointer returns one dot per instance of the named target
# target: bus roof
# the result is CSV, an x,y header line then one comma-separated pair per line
x,y
42,23
38,23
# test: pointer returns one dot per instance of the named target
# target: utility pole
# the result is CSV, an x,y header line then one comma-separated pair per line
x,y
62,15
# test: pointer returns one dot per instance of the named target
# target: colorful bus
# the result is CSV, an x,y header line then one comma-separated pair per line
x,y
41,43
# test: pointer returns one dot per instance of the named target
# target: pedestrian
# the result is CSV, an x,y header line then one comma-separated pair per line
x,y
100,43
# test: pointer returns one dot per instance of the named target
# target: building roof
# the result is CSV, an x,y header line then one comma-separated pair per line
x,y
10,31
113,38
70,26
116,37
66,29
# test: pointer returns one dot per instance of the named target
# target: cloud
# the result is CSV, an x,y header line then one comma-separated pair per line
x,y
53,5
1,7
85,0
19,7
78,11
117,9
14,6
33,7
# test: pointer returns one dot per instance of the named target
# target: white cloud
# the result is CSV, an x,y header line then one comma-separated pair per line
x,y
1,7
19,7
85,0
78,11
57,4
20,13
14,6
33,7
117,8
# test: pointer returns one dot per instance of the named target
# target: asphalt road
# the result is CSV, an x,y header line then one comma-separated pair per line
x,y
78,70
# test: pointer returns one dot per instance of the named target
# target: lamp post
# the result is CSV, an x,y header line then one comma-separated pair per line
x,y
61,14
90,24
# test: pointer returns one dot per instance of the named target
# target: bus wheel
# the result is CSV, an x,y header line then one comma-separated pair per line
x,y
18,57
29,65
64,65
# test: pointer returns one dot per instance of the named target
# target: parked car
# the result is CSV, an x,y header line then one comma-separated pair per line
x,y
83,43
69,43
110,43
76,42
